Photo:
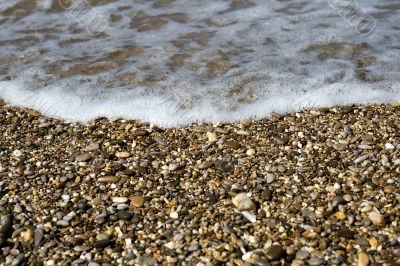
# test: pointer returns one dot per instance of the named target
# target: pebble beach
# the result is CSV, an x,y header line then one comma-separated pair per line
x,y
316,187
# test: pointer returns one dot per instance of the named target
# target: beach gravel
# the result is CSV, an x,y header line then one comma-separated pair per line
x,y
316,187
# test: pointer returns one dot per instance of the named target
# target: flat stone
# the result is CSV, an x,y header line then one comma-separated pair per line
x,y
83,157
102,243
232,144
122,155
389,189
108,179
93,146
120,199
205,165
81,248
160,140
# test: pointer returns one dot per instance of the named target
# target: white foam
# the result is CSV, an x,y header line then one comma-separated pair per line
x,y
279,57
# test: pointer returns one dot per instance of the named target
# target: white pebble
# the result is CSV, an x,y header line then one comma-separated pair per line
x,y
250,152
389,146
212,137
65,197
243,202
174,215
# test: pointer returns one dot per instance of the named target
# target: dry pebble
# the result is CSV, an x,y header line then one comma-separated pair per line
x,y
316,187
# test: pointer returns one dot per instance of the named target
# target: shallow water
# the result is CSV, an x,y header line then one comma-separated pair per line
x,y
173,62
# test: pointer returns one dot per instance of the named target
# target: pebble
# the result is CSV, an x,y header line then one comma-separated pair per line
x,y
363,259
19,260
108,179
389,189
124,215
137,201
224,166
243,202
120,199
212,137
81,248
205,165
39,234
160,140
302,254
275,252
62,223
337,201
83,157
361,159
93,146
389,146
174,215
376,218
122,155
271,177
102,243
250,152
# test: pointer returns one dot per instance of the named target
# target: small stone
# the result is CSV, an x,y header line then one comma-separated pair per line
x,y
281,168
223,166
267,194
19,260
337,201
122,155
39,234
302,254
243,202
17,153
27,235
363,259
174,215
243,133
108,179
389,189
340,216
314,261
281,141
120,199
160,140
271,177
93,146
62,223
232,144
102,243
212,137
205,165
361,159
376,218
124,215
275,252
389,146
18,208
250,152
83,157
137,201
174,167
81,248
345,232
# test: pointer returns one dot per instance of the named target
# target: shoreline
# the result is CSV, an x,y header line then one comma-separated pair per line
x,y
316,187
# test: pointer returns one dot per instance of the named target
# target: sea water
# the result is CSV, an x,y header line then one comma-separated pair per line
x,y
174,62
